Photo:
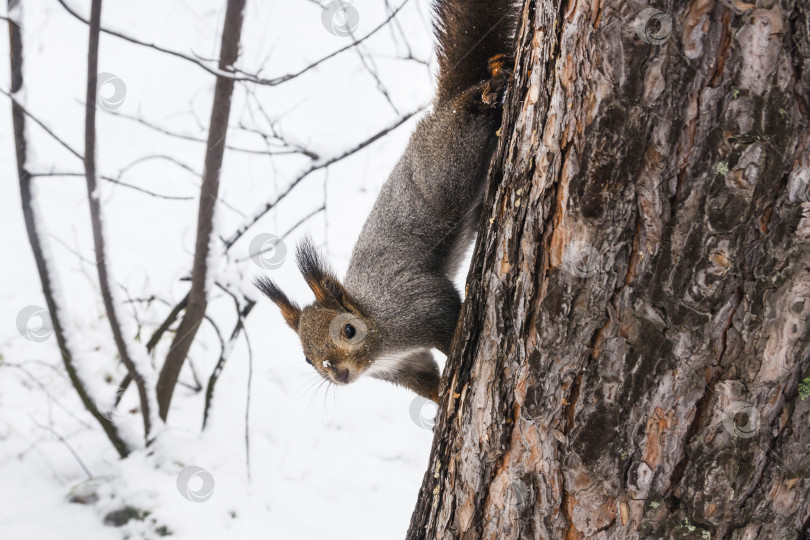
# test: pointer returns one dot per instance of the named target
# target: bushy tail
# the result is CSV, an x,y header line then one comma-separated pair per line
x,y
469,33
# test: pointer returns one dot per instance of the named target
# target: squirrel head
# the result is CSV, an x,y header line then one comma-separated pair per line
x,y
338,337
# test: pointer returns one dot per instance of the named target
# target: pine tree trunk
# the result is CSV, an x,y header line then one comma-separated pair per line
x,y
630,357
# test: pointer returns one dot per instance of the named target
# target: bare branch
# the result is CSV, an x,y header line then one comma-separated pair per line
x,y
192,138
47,274
262,210
212,380
38,122
66,445
96,219
217,132
228,71
118,182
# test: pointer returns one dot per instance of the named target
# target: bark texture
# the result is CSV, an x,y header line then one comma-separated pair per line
x,y
629,358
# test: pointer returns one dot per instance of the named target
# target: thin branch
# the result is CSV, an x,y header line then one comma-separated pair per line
x,y
78,154
212,380
247,400
227,71
38,122
118,182
93,196
318,165
295,226
217,132
47,274
45,390
192,138
66,444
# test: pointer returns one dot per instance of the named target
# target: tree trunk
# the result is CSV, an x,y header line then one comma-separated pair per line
x,y
629,360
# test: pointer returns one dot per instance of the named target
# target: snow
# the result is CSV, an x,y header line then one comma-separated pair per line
x,y
325,462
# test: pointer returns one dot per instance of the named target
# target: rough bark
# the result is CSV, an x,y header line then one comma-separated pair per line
x,y
45,270
628,359
200,276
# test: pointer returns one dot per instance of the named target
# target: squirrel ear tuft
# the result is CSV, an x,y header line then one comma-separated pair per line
x,y
316,272
289,310
327,288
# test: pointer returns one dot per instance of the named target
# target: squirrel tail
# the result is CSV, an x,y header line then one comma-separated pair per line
x,y
469,33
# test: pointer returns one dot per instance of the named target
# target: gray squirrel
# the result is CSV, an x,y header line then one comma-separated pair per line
x,y
398,299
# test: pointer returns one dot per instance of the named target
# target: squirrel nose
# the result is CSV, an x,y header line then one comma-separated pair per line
x,y
342,375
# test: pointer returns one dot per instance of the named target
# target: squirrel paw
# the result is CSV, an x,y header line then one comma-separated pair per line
x,y
500,67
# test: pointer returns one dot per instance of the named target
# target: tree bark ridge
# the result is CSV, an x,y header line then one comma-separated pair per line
x,y
628,358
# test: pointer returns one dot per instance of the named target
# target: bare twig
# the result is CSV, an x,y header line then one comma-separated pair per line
x,y
192,138
212,380
117,182
247,398
37,121
34,379
318,165
66,445
294,226
228,71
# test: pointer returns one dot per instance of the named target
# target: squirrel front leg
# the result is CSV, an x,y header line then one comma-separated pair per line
x,y
419,373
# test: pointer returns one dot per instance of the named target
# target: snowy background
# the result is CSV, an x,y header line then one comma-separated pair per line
x,y
324,463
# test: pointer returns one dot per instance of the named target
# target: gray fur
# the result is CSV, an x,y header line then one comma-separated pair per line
x,y
404,262
399,286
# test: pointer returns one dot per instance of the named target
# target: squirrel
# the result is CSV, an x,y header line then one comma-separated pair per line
x,y
398,299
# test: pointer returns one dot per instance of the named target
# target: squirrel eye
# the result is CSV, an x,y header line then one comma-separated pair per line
x,y
308,360
349,331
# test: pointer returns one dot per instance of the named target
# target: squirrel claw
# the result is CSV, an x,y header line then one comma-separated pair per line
x,y
500,66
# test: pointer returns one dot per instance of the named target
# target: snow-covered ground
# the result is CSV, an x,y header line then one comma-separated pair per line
x,y
337,463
